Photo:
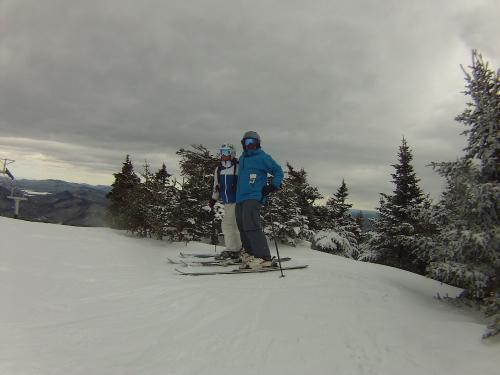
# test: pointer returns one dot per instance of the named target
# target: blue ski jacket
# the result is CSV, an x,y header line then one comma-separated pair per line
x,y
253,168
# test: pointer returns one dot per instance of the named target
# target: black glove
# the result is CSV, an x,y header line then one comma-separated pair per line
x,y
268,189
211,203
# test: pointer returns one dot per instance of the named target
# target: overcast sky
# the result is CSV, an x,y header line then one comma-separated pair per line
x,y
331,86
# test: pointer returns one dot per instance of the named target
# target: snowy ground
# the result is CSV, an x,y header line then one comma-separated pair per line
x,y
95,301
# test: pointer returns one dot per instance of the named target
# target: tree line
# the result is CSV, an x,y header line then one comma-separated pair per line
x,y
455,240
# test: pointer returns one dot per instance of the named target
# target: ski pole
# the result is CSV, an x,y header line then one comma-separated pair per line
x,y
216,240
274,237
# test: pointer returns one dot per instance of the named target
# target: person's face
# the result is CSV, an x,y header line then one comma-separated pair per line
x,y
225,154
250,144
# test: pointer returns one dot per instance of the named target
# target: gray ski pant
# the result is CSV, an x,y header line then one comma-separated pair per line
x,y
252,237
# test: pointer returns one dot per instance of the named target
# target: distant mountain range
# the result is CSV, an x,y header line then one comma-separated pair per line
x,y
51,186
61,202
56,201
368,214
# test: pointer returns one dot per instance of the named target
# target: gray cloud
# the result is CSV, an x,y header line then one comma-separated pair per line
x,y
331,86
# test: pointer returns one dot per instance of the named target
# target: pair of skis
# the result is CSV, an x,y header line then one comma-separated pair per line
x,y
224,264
215,262
238,271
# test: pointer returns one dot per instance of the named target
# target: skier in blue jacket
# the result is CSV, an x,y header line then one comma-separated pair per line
x,y
252,189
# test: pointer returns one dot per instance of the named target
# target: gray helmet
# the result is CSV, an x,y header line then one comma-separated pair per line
x,y
251,134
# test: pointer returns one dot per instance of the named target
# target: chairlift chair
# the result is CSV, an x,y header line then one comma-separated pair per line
x,y
16,199
3,167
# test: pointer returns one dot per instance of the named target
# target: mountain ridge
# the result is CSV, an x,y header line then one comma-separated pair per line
x,y
72,203
56,201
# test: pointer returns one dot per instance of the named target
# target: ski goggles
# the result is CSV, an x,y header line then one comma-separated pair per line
x,y
249,141
225,151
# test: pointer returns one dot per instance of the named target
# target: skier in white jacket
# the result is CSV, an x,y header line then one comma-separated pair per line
x,y
224,190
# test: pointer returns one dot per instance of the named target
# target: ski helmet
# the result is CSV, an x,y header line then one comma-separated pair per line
x,y
250,135
227,149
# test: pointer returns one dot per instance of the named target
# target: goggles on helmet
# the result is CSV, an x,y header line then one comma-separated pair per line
x,y
249,141
225,151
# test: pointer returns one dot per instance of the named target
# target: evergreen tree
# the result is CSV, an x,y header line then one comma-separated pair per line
x,y
306,195
360,220
482,118
197,169
178,219
139,202
467,253
284,207
218,215
162,195
340,232
397,224
336,241
362,224
120,211
339,213
321,218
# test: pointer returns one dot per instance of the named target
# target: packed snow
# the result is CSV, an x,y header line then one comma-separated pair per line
x,y
98,301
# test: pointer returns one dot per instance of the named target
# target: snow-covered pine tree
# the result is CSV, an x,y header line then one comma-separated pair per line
x,y
140,201
306,194
143,202
283,207
120,212
360,220
397,224
197,167
467,253
161,202
340,231
338,208
218,215
321,218
179,215
363,225
482,117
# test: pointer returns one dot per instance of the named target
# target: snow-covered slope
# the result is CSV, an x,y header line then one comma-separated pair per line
x,y
96,301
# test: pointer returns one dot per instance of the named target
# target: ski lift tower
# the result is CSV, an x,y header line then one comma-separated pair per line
x,y
4,169
17,200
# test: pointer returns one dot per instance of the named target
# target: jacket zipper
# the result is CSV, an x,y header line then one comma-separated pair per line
x,y
225,186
